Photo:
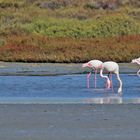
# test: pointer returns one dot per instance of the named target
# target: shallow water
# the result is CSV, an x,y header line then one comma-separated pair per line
x,y
67,89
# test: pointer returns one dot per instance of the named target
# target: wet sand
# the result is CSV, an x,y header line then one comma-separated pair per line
x,y
70,122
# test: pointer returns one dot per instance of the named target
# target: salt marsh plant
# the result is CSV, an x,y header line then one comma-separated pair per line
x,y
69,30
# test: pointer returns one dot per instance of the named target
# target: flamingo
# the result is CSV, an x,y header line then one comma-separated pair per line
x,y
95,65
137,61
111,67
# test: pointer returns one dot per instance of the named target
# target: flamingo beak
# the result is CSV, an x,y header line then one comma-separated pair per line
x,y
84,65
133,61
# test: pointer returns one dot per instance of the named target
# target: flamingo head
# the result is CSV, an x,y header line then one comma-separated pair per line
x,y
87,65
134,61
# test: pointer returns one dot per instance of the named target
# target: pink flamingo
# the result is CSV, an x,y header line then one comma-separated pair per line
x,y
111,67
95,65
137,61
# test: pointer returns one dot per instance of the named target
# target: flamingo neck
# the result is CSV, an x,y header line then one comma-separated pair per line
x,y
120,82
138,73
103,76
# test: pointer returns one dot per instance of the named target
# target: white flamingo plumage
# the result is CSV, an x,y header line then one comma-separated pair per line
x,y
137,61
94,65
111,67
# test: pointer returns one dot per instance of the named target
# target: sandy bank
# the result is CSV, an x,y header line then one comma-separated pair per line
x,y
67,122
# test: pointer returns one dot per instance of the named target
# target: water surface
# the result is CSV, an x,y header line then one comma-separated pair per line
x,y
67,89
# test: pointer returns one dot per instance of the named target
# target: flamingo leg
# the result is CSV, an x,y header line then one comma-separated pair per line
x,y
111,82
138,73
108,83
95,78
88,76
120,81
110,77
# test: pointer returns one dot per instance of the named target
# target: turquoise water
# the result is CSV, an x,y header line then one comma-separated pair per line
x,y
67,89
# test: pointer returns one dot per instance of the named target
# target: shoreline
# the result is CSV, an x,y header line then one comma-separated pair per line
x,y
52,69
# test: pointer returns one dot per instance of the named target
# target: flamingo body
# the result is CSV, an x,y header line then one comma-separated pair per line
x,y
95,65
111,67
137,61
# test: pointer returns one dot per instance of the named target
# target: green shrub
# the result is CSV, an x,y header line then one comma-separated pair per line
x,y
103,27
2,42
119,25
11,4
92,5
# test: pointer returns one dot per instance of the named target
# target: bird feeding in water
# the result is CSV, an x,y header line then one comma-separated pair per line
x,y
111,67
94,65
137,61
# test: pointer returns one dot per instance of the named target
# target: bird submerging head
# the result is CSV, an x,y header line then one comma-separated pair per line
x,y
110,66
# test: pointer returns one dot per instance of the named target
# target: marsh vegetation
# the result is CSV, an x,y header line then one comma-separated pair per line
x,y
69,30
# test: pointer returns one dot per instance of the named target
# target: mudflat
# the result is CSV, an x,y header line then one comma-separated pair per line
x,y
45,69
69,122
